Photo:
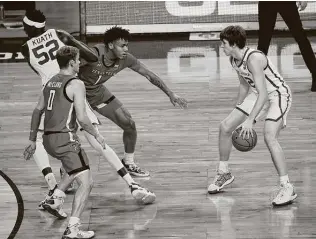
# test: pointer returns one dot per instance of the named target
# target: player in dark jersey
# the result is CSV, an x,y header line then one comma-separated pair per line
x,y
63,100
113,57
40,52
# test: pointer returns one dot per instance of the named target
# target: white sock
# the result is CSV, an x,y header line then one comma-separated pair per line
x,y
73,221
51,181
284,179
129,158
59,193
223,166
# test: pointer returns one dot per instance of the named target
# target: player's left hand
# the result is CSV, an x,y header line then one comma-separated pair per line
x,y
246,129
29,150
176,100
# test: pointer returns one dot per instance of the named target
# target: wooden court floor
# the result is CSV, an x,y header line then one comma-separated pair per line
x,y
179,148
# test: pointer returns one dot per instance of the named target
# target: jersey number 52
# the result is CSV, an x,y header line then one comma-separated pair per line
x,y
44,56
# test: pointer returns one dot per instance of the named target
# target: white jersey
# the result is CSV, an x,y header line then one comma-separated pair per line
x,y
42,54
274,80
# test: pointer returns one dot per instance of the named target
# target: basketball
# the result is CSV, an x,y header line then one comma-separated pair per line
x,y
246,144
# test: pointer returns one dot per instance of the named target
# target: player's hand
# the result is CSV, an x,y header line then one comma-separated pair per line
x,y
66,36
301,5
101,140
246,129
176,100
29,150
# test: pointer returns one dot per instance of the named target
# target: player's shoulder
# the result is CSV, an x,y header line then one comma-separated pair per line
x,y
99,49
256,58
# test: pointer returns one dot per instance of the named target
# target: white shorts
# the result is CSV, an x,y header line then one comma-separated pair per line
x,y
276,108
91,115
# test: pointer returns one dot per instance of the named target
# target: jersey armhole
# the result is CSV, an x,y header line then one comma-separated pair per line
x,y
256,51
65,93
97,50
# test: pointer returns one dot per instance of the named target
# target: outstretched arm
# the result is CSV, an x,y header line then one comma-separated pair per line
x,y
85,51
155,80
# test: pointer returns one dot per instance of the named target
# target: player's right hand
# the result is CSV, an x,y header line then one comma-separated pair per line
x,y
101,140
29,150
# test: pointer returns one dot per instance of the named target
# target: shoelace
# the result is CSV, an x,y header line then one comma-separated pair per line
x,y
282,191
136,168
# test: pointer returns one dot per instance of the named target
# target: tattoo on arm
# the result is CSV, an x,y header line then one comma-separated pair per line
x,y
155,80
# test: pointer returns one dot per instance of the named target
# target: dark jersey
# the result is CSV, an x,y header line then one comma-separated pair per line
x,y
94,74
60,114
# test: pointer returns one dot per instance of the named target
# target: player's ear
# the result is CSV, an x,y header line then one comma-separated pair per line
x,y
111,46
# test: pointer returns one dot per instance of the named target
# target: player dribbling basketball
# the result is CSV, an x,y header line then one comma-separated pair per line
x,y
270,97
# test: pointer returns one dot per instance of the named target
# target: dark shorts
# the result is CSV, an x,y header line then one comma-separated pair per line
x,y
66,147
103,99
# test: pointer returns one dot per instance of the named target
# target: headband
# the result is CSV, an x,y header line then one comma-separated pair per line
x,y
33,24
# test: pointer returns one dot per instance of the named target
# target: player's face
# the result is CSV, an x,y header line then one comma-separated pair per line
x,y
226,47
76,64
120,48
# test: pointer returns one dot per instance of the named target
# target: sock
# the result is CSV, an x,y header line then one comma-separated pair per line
x,y
126,176
110,156
51,181
284,179
59,193
73,221
223,166
129,158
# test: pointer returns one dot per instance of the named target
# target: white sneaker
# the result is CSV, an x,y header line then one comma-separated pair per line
x,y
142,195
53,205
221,180
285,195
74,232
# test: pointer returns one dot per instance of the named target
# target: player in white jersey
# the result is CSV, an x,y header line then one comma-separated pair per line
x,y
269,98
40,52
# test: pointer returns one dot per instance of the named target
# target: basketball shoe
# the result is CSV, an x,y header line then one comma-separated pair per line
x,y
74,232
53,205
135,170
286,195
221,180
142,195
48,196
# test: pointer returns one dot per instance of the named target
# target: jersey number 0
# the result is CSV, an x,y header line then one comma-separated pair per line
x,y
43,56
51,99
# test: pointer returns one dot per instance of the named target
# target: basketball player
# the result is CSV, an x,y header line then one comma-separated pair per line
x,y
113,57
289,10
63,100
270,97
40,52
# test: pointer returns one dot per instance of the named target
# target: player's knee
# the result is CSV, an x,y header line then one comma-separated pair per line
x,y
225,128
129,125
269,137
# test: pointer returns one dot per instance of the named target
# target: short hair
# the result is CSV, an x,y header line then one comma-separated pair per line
x,y
115,33
234,35
65,54
35,16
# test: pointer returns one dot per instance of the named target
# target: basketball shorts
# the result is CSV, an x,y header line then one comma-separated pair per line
x,y
103,99
66,147
275,109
